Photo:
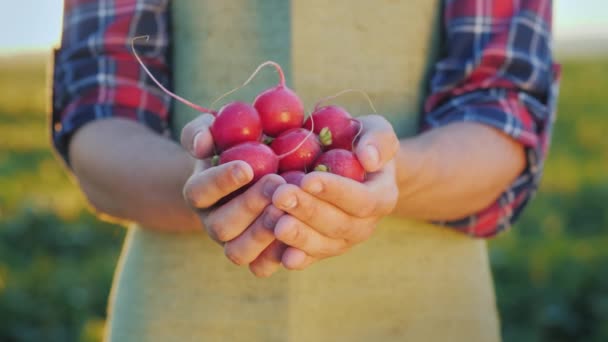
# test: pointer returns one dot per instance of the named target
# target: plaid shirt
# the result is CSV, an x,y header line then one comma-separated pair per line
x,y
496,70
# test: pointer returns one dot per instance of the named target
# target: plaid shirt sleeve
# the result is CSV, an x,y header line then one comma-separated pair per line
x,y
96,76
497,70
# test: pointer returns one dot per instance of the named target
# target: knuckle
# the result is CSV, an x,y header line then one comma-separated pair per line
x,y
217,230
251,203
192,197
225,183
326,251
222,233
344,229
308,211
210,227
297,235
260,234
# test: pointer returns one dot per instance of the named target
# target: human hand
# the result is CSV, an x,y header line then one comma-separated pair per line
x,y
329,214
243,225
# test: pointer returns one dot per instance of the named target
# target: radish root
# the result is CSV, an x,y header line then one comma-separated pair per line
x,y
369,101
177,97
331,97
257,70
310,132
360,124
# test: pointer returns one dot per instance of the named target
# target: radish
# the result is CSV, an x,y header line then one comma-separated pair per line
x,y
341,162
235,123
297,149
293,177
278,112
335,127
279,107
260,157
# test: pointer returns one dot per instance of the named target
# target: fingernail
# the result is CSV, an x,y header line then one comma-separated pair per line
x,y
289,203
208,118
240,174
373,154
315,188
269,188
195,142
269,221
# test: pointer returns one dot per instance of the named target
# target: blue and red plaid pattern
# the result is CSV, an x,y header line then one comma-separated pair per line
x,y
95,73
496,70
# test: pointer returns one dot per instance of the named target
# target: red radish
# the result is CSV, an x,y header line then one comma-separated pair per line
x,y
279,107
297,149
280,110
293,177
341,162
235,123
335,127
260,157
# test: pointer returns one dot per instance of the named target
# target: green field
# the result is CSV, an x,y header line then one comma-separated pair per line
x,y
56,259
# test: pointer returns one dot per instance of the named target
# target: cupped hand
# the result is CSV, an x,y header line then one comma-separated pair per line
x,y
243,224
329,214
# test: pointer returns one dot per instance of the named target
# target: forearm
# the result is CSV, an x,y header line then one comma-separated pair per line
x,y
454,171
130,173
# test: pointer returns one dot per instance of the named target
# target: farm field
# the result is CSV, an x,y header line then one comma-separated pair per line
x,y
57,259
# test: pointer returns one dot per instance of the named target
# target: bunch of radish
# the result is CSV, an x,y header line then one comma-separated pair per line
x,y
272,135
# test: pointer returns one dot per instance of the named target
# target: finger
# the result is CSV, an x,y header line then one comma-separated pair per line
x,y
320,215
376,197
295,259
378,143
231,219
196,137
295,233
249,245
269,261
205,188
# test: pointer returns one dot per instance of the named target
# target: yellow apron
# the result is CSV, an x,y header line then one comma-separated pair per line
x,y
411,281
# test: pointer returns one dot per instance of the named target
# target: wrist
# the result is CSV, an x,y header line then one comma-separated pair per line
x,y
416,166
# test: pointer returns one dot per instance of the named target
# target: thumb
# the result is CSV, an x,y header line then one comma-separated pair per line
x,y
196,137
378,143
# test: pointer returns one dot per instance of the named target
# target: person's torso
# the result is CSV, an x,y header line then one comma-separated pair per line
x,y
410,281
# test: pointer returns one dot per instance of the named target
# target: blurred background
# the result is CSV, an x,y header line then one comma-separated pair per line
x,y
57,260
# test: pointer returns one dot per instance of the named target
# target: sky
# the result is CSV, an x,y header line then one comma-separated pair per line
x,y
36,24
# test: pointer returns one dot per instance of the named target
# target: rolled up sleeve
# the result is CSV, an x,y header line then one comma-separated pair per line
x,y
95,74
497,70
